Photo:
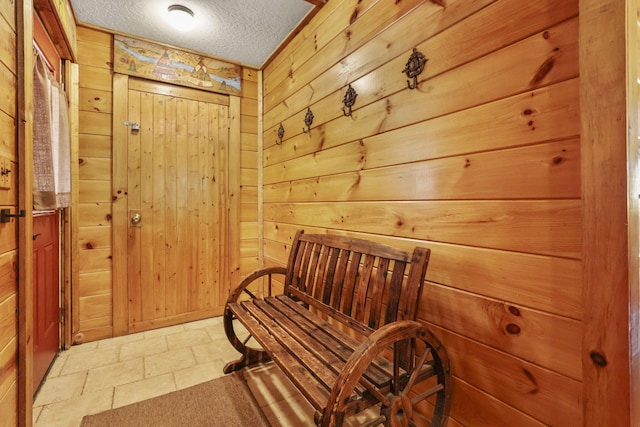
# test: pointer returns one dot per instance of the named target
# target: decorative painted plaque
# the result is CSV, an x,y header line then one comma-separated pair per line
x,y
156,62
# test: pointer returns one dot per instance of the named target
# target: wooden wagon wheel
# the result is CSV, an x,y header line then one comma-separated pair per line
x,y
237,334
397,406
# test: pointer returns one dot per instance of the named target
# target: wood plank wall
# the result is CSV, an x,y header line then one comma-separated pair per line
x,y
93,306
8,242
481,163
248,175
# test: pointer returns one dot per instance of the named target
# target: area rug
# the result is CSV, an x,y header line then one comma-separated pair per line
x,y
223,402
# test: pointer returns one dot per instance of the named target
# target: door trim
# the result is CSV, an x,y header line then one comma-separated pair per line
x,y
119,209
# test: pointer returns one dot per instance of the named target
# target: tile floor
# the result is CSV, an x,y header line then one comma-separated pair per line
x,y
97,376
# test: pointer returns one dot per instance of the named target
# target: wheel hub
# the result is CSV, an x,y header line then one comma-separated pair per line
x,y
399,412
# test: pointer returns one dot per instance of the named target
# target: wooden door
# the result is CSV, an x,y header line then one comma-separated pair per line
x,y
46,251
176,193
46,294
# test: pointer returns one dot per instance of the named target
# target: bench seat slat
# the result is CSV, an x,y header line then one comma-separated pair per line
x,y
301,378
305,359
337,341
325,340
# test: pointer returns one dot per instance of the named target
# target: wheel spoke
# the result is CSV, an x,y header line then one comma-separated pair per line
x,y
427,393
380,420
416,372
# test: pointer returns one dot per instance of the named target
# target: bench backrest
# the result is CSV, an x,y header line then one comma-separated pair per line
x,y
361,283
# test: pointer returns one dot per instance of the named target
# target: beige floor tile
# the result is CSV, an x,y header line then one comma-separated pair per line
x,y
36,413
127,394
198,374
145,347
164,331
58,363
162,363
268,384
61,388
90,359
79,348
212,321
69,413
293,412
216,350
113,375
187,338
116,341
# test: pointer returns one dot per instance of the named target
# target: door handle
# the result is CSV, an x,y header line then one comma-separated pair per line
x,y
136,218
35,236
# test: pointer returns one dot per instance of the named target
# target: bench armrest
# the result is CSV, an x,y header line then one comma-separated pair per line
x,y
253,276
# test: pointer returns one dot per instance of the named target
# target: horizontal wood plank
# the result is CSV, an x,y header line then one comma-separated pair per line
x,y
506,225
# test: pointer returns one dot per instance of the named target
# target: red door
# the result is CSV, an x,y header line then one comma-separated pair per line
x,y
46,267
46,294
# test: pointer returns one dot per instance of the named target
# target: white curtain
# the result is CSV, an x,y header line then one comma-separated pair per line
x,y
51,142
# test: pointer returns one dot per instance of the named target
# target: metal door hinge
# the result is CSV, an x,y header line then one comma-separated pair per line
x,y
6,215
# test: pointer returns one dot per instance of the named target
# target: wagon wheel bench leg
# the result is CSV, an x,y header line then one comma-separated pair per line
x,y
250,355
398,406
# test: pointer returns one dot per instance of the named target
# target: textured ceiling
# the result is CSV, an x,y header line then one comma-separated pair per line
x,y
242,31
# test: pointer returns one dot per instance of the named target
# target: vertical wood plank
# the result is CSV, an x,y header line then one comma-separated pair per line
x,y
633,216
260,167
606,274
134,196
191,254
220,191
158,204
24,15
203,141
147,301
182,301
119,207
232,264
170,202
71,295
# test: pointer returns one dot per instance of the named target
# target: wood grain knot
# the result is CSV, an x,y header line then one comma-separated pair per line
x,y
513,329
557,160
354,15
542,71
514,310
598,359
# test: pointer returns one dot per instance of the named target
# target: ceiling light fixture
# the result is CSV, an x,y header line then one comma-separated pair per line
x,y
181,17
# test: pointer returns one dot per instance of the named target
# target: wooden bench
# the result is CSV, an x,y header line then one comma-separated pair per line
x,y
345,332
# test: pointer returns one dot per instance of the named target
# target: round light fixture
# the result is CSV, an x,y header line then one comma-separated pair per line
x,y
181,17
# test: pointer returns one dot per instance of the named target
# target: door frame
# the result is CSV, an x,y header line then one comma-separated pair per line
x,y
119,210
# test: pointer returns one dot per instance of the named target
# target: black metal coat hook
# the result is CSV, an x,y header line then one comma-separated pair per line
x,y
280,134
308,120
414,67
349,100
